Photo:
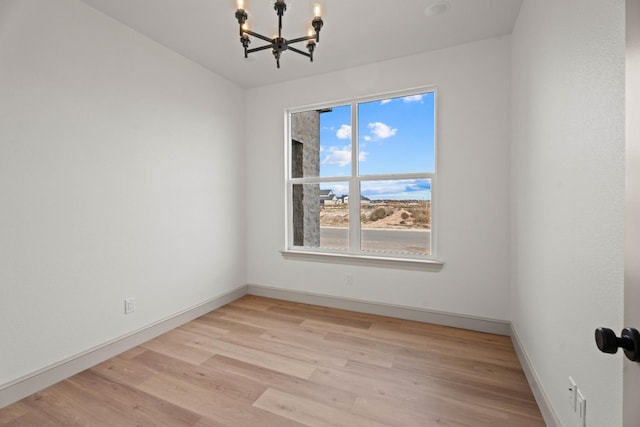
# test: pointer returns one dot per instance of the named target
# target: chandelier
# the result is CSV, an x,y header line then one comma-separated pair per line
x,y
278,44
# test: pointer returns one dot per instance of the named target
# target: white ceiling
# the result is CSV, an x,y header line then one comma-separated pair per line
x,y
355,32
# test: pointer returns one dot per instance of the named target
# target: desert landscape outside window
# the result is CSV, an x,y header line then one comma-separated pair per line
x,y
361,176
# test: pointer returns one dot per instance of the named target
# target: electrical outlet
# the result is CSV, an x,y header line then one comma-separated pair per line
x,y
581,407
572,392
129,305
348,279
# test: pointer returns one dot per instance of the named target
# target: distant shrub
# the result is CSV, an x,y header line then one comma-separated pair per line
x,y
404,216
421,217
377,214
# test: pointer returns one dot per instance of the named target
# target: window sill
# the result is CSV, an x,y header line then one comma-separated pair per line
x,y
365,260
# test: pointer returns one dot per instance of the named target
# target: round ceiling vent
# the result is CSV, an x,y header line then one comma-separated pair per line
x,y
437,8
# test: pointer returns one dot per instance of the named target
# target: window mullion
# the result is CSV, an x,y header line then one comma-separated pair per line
x,y
354,185
395,176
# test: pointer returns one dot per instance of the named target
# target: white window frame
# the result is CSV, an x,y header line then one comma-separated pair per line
x,y
354,255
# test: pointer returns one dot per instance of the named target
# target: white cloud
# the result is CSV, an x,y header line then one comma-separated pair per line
x,y
381,130
344,132
340,156
385,101
385,187
412,98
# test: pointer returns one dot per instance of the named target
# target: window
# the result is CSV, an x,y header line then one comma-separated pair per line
x,y
361,177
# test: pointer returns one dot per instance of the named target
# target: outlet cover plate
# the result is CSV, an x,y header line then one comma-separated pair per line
x,y
129,305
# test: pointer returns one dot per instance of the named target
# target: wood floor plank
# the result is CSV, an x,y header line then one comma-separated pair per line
x,y
207,422
448,389
136,406
441,359
67,405
124,370
258,318
13,412
211,403
332,316
419,401
318,312
316,342
264,359
423,414
327,394
402,343
258,303
487,381
477,402
214,319
32,419
290,349
310,412
171,345
264,362
206,376
200,327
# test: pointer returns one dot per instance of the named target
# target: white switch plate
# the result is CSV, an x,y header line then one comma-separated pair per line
x,y
581,406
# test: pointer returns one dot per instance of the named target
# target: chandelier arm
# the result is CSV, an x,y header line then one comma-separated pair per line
x,y
302,39
257,49
300,52
258,36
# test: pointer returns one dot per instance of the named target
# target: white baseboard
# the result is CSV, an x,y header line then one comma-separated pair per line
x,y
472,323
50,375
542,399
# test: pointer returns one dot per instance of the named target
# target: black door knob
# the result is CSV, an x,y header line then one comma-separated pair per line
x,y
629,341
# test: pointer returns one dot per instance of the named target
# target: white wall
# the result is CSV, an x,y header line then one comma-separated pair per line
x,y
473,207
121,175
567,197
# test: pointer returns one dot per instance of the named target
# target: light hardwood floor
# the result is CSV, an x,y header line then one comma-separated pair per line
x,y
265,362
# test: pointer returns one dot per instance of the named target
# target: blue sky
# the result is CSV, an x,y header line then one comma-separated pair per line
x,y
394,136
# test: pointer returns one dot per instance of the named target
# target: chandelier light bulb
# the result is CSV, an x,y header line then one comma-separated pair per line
x,y
316,10
240,4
